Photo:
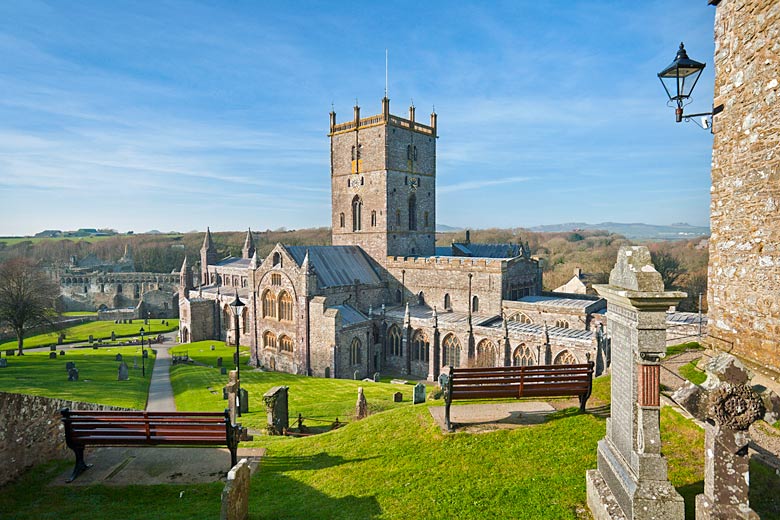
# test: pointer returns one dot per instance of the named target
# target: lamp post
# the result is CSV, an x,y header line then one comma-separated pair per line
x,y
143,361
679,79
149,319
237,305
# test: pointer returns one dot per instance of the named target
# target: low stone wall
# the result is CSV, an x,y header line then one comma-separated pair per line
x,y
31,431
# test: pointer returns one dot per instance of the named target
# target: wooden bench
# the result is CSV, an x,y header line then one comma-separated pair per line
x,y
517,382
130,428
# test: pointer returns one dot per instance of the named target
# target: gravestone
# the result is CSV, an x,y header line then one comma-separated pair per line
x,y
73,374
145,354
223,371
53,348
356,375
361,407
118,357
135,363
275,401
91,339
419,393
732,406
10,352
443,379
398,397
219,361
124,372
376,377
62,352
235,495
243,401
3,362
632,474
94,347
52,355
130,322
146,322
113,336
60,339
213,347
69,365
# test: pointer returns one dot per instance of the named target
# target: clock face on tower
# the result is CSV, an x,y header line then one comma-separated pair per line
x,y
414,184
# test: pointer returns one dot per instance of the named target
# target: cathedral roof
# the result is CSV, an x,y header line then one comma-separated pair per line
x,y
232,261
350,315
561,301
486,250
337,266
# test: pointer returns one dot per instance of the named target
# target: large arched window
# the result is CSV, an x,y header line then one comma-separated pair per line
x,y
357,209
450,348
285,306
269,305
373,218
394,343
447,302
487,355
420,346
412,212
285,344
475,304
565,357
269,340
522,357
354,352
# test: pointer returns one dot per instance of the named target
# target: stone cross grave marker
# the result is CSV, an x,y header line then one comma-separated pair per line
x,y
632,473
419,393
732,406
123,373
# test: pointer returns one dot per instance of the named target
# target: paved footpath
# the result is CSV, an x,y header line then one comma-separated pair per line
x,y
160,390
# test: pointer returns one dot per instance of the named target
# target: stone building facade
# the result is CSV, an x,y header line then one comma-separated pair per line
x,y
383,298
744,269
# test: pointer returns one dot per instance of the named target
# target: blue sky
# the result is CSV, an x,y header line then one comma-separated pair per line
x,y
180,115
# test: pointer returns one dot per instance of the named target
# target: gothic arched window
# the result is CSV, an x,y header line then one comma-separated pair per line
x,y
523,357
475,304
450,351
354,352
412,212
562,324
447,302
285,306
269,340
341,219
357,208
420,346
373,219
245,320
269,305
285,344
395,346
565,357
487,355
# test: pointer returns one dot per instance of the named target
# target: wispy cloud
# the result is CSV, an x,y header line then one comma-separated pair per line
x,y
481,183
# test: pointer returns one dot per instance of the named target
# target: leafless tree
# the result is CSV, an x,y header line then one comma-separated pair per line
x,y
27,297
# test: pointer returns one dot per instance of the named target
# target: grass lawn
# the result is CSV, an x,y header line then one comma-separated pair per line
x,y
36,374
98,329
199,388
80,313
691,372
683,347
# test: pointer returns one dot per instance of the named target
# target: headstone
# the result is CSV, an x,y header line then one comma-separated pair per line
x,y
95,347
135,363
275,401
145,354
130,321
69,365
52,355
243,400
231,388
235,495
62,352
124,372
219,361
73,374
443,379
398,397
60,339
10,352
356,375
91,339
376,377
419,393
213,348
113,336
632,473
53,348
223,371
118,357
732,407
3,362
361,408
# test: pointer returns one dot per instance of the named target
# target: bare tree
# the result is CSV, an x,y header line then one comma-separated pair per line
x,y
669,267
27,297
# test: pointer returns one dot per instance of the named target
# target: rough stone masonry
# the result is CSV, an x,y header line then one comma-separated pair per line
x,y
744,268
631,480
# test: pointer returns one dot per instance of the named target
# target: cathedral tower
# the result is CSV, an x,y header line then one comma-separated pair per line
x,y
208,256
383,183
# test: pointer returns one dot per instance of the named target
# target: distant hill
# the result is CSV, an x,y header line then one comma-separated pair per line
x,y
635,231
443,228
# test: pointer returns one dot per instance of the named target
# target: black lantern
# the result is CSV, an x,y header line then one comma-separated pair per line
x,y
679,80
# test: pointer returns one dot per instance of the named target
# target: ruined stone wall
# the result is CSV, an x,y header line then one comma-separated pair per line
x,y
31,431
94,291
197,317
744,269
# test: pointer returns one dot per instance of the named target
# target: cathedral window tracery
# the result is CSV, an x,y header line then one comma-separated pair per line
x,y
285,344
522,357
420,347
450,351
395,345
269,340
269,304
565,357
357,208
285,306
354,352
486,354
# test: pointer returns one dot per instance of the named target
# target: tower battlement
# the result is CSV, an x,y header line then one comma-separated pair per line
x,y
384,118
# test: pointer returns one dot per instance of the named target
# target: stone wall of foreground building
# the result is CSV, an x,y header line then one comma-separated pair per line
x,y
744,269
31,431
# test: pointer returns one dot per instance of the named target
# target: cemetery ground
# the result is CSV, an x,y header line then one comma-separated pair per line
x,y
98,330
36,374
394,464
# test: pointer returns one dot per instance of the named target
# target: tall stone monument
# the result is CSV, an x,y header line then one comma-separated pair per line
x,y
631,480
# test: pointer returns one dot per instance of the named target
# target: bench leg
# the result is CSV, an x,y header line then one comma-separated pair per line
x,y
583,400
447,422
80,466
